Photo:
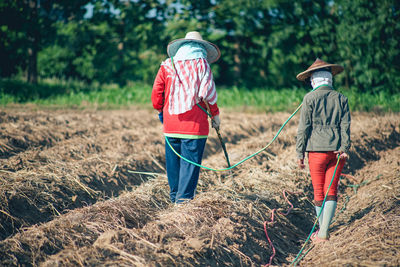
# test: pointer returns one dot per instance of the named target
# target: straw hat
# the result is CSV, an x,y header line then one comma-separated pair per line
x,y
213,52
319,64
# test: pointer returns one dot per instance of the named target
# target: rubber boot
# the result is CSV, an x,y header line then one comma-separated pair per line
x,y
328,213
318,210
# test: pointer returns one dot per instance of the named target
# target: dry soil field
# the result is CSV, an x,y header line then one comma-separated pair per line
x,y
88,188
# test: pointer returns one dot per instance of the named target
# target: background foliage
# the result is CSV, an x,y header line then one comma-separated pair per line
x,y
264,44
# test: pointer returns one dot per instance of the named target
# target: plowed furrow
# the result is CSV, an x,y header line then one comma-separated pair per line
x,y
223,225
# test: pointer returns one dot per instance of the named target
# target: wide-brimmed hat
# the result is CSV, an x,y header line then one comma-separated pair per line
x,y
213,52
319,64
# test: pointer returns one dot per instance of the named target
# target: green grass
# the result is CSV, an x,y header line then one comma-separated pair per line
x,y
74,94
109,97
260,99
381,102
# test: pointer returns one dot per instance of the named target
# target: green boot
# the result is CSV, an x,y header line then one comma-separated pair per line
x,y
328,213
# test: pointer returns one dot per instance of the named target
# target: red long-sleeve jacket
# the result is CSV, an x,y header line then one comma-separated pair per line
x,y
192,122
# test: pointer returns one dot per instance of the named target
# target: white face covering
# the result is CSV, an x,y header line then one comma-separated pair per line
x,y
322,77
190,50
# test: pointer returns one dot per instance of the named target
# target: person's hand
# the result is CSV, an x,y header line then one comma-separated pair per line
x,y
161,117
341,154
300,163
215,122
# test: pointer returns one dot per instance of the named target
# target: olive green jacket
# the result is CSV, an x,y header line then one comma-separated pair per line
x,y
324,122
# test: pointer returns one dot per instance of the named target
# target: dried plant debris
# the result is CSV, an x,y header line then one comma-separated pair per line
x,y
81,188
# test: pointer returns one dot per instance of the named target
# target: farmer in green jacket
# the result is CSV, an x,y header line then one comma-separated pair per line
x,y
323,132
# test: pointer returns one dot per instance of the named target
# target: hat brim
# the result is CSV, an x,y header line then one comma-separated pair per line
x,y
213,53
335,69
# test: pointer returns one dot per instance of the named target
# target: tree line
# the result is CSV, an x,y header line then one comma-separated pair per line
x,y
264,43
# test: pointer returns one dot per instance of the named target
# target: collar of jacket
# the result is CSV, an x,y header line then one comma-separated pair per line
x,y
323,85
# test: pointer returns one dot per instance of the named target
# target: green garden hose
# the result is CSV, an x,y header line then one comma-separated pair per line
x,y
243,160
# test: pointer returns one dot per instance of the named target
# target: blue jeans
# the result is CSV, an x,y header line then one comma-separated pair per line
x,y
183,176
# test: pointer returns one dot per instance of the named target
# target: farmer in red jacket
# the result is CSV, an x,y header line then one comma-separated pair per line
x,y
183,81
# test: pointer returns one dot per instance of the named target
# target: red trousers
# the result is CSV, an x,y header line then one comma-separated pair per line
x,y
322,166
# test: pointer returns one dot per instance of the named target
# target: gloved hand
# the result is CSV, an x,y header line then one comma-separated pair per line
x,y
161,117
215,122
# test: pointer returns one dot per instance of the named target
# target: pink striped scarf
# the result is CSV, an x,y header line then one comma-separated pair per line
x,y
192,83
